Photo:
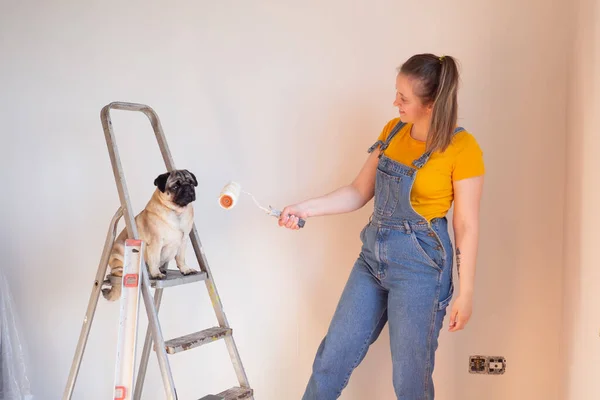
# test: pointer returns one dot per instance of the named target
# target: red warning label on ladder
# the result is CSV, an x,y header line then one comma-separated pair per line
x,y
120,393
133,242
131,280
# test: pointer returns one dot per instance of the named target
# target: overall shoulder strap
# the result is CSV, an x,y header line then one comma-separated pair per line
x,y
385,144
419,162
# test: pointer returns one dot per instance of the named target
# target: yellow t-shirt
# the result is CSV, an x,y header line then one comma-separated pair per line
x,y
432,192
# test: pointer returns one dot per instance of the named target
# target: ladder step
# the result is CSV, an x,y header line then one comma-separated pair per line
x,y
175,278
196,339
236,393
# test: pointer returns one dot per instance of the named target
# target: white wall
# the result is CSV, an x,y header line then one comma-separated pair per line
x,y
581,273
284,97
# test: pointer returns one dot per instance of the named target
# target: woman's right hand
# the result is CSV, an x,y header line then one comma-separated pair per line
x,y
290,216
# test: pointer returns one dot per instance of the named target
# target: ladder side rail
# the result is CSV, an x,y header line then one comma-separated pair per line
x,y
218,307
139,384
92,304
132,232
128,319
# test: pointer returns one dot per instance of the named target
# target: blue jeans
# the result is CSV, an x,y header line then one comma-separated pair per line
x,y
402,276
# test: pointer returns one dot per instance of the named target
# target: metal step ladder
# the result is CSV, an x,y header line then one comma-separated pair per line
x,y
174,278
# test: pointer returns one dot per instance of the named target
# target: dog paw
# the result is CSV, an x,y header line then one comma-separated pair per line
x,y
185,270
193,272
158,276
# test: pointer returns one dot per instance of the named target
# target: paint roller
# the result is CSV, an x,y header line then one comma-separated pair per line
x,y
230,195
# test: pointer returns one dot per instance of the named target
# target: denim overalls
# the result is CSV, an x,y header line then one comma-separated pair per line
x,y
403,275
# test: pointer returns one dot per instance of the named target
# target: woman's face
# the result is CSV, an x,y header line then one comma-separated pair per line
x,y
411,109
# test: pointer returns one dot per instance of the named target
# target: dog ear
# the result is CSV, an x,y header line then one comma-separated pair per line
x,y
193,177
161,181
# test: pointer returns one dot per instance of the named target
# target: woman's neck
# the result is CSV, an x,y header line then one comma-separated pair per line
x,y
420,130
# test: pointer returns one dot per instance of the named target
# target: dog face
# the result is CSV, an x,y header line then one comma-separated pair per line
x,y
178,186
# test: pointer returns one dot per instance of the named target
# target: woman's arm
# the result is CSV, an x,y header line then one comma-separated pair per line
x,y
467,196
342,200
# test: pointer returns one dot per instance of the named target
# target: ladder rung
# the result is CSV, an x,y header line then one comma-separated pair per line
x,y
196,339
236,393
175,278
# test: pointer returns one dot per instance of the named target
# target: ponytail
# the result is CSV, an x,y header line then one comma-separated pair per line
x,y
438,78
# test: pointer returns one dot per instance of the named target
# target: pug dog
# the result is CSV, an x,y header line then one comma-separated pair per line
x,y
163,225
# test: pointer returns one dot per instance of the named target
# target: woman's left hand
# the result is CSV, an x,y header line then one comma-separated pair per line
x,y
461,312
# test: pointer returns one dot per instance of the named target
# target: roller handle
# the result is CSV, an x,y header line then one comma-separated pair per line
x,y
277,213
301,223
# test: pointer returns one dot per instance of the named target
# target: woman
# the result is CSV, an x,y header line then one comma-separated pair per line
x,y
420,164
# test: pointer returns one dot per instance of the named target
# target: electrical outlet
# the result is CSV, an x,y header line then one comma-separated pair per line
x,y
477,364
487,365
496,365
